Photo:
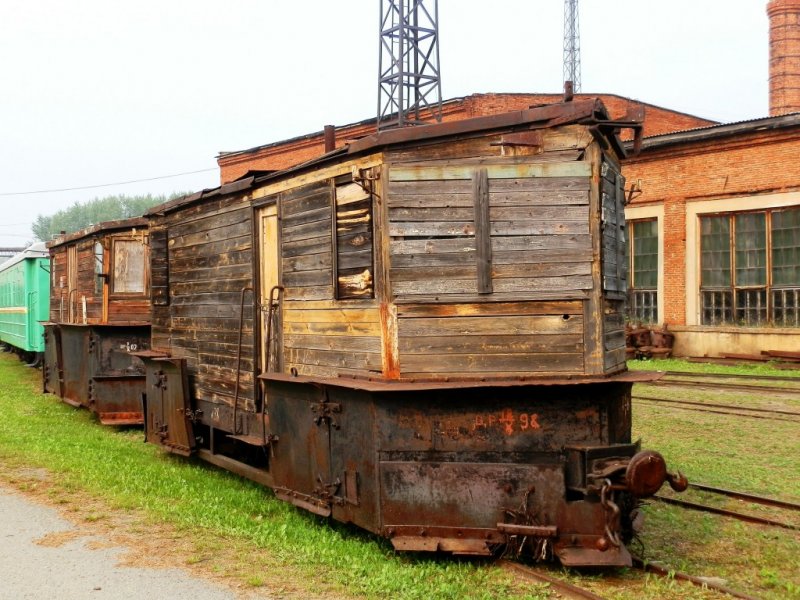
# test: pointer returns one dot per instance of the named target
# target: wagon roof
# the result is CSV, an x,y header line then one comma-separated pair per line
x,y
105,227
37,250
590,111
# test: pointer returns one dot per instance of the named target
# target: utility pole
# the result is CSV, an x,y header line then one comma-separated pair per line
x,y
409,84
572,45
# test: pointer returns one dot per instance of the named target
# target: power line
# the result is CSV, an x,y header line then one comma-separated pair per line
x,y
100,185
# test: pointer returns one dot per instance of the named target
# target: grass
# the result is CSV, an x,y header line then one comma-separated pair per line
x,y
220,525
93,470
677,364
755,455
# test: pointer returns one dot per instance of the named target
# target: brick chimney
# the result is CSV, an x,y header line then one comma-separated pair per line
x,y
784,56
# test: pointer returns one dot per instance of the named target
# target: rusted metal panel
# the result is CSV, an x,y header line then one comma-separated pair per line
x,y
168,415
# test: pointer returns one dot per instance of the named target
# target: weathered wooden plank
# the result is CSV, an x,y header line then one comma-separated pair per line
x,y
366,361
495,309
308,262
493,344
308,293
434,246
200,261
315,245
498,228
242,271
210,236
492,363
565,169
497,213
456,187
320,199
334,342
312,216
531,270
479,158
341,315
461,286
348,329
223,218
306,231
233,244
481,326
307,278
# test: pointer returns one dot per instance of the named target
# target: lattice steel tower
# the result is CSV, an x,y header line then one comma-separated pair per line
x,y
409,84
572,45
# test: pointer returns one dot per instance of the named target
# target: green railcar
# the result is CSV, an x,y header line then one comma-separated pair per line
x,y
25,300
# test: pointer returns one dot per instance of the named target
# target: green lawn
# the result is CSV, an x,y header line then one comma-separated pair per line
x,y
230,527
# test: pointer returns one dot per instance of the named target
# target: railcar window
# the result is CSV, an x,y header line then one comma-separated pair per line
x,y
750,268
98,268
129,267
354,239
643,249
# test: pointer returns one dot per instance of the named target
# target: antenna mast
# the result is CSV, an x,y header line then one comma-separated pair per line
x,y
572,45
409,84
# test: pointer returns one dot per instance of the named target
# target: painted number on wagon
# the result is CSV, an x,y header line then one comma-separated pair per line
x,y
509,420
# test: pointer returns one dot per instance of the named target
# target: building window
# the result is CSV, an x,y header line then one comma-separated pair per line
x,y
750,268
643,293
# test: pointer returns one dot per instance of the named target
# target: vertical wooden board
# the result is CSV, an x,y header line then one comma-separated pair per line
x,y
483,240
593,308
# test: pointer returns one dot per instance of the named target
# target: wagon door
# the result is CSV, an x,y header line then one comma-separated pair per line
x,y
167,414
72,285
269,291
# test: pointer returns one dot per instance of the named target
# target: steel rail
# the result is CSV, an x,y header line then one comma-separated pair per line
x,y
698,581
717,412
727,386
733,376
564,588
766,501
715,405
726,513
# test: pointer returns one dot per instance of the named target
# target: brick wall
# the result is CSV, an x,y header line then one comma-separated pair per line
x,y
741,165
784,56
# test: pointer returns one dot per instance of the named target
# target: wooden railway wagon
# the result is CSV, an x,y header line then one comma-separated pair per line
x,y
24,301
436,331
99,314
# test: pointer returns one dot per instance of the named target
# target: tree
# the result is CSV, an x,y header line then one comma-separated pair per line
x,y
84,214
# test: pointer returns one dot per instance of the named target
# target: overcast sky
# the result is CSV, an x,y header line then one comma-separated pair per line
x,y
105,91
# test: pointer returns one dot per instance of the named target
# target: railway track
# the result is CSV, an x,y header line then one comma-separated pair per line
x,y
568,590
669,374
725,409
721,385
563,588
703,582
743,496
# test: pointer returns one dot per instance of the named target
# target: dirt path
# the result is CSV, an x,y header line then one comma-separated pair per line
x,y
43,555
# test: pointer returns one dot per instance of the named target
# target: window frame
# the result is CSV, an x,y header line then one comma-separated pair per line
x,y
112,268
641,297
734,313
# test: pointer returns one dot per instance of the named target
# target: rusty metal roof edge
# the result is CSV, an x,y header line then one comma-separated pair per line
x,y
564,111
223,190
408,385
588,111
105,226
700,134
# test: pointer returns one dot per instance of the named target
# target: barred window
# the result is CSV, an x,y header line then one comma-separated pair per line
x,y
750,268
643,293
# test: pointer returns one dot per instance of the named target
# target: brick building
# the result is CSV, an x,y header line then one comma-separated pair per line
x,y
714,225
715,230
